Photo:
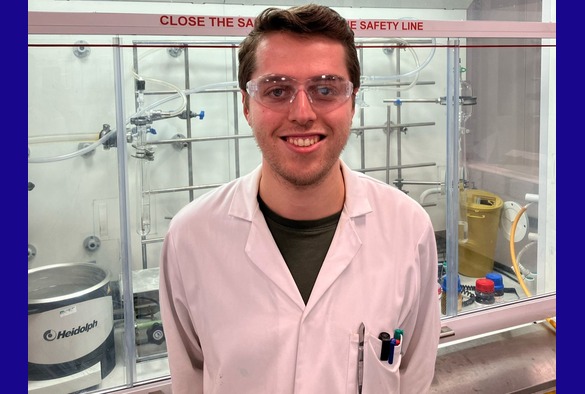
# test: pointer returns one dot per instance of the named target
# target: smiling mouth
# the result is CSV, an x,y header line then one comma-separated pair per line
x,y
303,141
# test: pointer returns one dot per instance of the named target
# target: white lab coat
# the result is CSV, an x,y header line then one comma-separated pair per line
x,y
235,321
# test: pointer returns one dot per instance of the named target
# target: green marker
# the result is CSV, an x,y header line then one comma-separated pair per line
x,y
398,333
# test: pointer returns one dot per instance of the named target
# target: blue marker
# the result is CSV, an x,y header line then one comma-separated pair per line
x,y
391,353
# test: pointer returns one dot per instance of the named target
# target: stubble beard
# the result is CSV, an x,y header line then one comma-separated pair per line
x,y
305,178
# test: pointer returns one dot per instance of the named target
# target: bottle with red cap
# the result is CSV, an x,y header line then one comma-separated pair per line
x,y
484,291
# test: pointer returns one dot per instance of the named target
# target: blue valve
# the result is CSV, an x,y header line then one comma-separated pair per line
x,y
192,114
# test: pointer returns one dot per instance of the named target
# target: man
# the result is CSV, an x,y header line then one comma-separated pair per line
x,y
283,280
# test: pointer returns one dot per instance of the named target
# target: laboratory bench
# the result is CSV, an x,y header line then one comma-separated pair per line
x,y
521,360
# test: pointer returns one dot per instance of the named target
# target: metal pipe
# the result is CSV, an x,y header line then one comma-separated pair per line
x,y
370,169
362,121
124,206
428,183
394,126
236,122
398,121
198,139
463,100
188,123
172,92
153,240
141,163
388,131
394,84
185,188
452,176
399,101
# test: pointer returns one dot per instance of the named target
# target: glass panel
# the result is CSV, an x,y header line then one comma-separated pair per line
x,y
76,314
507,150
174,158
401,125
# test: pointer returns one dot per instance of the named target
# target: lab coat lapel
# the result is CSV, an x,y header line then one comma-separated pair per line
x,y
263,252
260,245
342,251
346,242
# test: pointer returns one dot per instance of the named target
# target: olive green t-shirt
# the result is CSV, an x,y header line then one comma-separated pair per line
x,y
302,243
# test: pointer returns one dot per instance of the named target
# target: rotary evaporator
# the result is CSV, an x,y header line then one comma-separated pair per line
x,y
70,327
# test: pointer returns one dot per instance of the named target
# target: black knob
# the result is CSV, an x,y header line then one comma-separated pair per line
x,y
155,334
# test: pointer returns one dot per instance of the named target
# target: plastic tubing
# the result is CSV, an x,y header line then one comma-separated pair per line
x,y
523,269
385,78
201,89
76,153
515,262
112,133
219,85
428,192
43,139
408,74
513,250
173,87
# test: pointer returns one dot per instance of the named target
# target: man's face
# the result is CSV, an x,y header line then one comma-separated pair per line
x,y
301,143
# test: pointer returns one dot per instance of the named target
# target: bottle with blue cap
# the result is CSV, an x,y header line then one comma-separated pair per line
x,y
498,285
444,294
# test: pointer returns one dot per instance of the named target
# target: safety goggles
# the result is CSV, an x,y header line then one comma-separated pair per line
x,y
277,92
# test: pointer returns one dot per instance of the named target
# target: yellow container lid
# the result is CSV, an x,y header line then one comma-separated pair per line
x,y
480,200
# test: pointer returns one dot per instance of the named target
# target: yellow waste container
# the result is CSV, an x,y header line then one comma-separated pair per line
x,y
478,231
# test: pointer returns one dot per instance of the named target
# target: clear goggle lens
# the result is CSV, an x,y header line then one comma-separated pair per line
x,y
277,92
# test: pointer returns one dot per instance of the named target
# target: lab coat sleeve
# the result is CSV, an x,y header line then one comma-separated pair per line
x,y
418,363
184,351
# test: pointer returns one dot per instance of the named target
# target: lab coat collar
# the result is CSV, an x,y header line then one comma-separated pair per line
x,y
356,199
267,257
245,204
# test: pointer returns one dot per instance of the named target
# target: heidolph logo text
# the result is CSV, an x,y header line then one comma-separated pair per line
x,y
51,335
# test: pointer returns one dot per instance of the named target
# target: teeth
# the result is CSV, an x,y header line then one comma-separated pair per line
x,y
303,141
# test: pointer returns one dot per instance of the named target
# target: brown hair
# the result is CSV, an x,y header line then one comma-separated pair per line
x,y
305,20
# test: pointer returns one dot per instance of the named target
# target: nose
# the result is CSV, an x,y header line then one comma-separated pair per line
x,y
301,109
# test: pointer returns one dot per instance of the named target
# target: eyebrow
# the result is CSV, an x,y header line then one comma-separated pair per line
x,y
320,77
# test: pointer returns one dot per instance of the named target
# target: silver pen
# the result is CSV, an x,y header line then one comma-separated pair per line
x,y
360,364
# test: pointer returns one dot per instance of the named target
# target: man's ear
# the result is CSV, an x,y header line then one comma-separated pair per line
x,y
245,103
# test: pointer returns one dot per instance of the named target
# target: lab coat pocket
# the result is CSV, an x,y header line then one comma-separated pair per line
x,y
380,376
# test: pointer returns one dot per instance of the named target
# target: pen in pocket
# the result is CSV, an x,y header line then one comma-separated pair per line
x,y
385,350
393,343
